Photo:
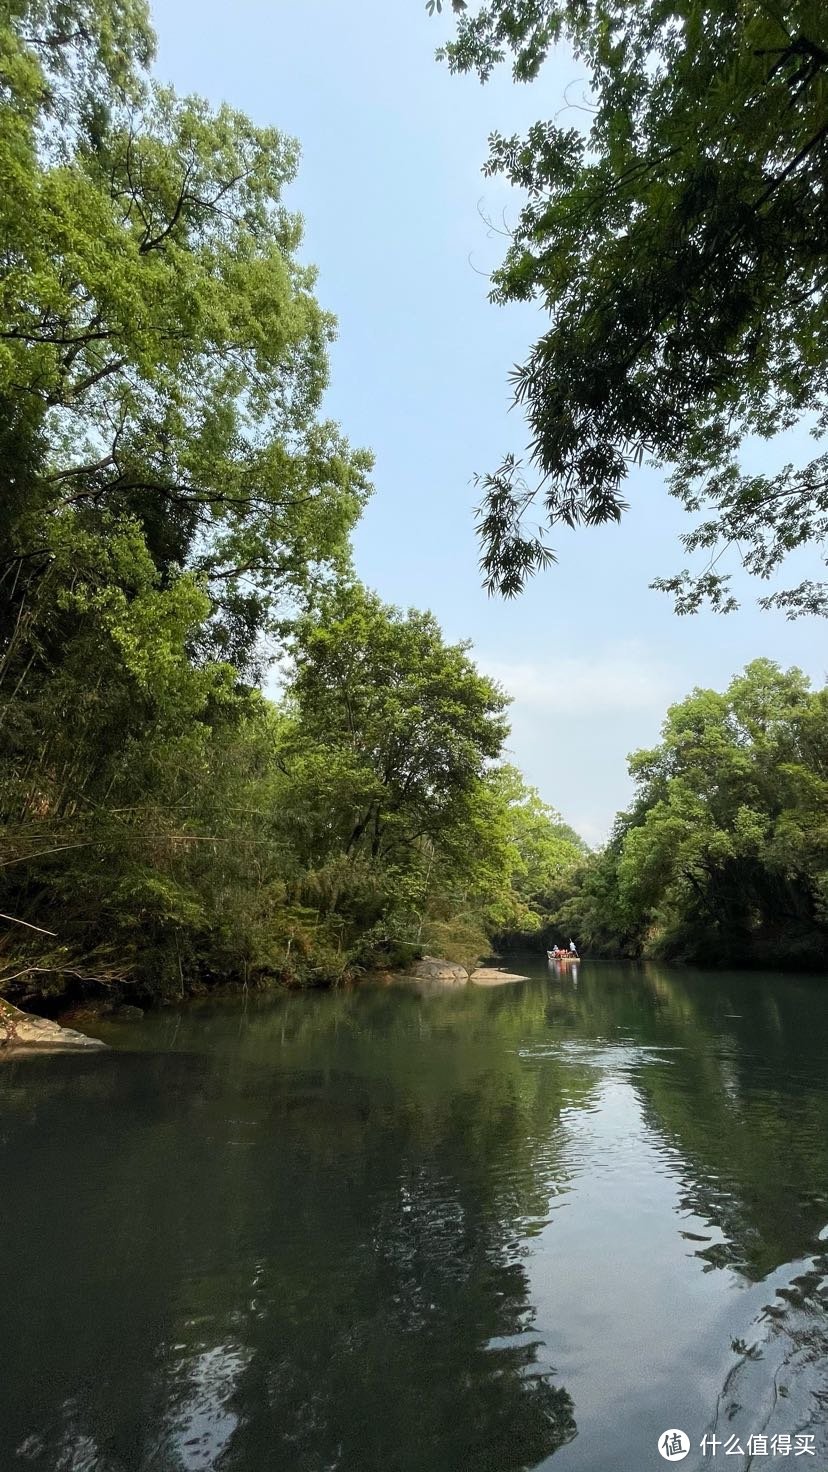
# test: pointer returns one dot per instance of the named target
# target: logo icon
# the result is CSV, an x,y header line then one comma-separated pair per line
x,y
674,1445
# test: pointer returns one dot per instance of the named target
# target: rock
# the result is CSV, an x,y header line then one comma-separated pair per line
x,y
493,976
21,1030
127,1013
432,968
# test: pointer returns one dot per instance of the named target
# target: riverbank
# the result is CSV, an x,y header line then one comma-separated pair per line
x,y
22,1030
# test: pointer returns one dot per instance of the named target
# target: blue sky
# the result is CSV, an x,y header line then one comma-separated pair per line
x,y
393,200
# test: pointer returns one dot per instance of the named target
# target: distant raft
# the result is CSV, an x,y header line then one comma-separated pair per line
x,y
563,956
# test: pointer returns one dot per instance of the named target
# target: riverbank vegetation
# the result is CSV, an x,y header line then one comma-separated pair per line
x,y
175,514
722,858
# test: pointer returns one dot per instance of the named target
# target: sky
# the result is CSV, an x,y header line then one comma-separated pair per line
x,y
396,210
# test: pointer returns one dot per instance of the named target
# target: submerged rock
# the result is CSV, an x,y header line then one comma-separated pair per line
x,y
21,1030
493,976
101,1010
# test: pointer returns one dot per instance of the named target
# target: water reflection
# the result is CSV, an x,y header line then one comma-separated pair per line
x,y
301,1248
387,1230
564,970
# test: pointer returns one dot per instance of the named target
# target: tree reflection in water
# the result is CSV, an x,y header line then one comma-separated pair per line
x,y
247,1263
322,1232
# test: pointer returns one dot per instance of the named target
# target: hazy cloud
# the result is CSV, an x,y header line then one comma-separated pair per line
x,y
624,678
574,720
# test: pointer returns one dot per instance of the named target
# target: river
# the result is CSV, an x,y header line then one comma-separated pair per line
x,y
381,1230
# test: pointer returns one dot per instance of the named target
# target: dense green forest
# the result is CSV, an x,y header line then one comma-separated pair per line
x,y
175,520
175,516
722,858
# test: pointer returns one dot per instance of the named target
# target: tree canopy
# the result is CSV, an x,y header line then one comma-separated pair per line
x,y
412,712
162,355
543,853
678,246
723,855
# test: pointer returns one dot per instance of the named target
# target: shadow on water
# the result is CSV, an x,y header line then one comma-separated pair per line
x,y
375,1230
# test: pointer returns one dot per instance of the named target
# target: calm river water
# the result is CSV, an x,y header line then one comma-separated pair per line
x,y
382,1231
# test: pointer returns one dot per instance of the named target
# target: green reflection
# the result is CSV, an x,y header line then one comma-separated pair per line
x,y
302,1233
300,1246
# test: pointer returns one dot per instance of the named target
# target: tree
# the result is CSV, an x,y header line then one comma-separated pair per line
x,y
725,850
162,356
407,718
172,504
543,853
679,248
168,489
592,908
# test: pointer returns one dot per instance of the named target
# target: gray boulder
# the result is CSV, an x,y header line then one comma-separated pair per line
x,y
20,1030
432,968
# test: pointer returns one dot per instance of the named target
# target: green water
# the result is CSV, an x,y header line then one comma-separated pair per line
x,y
378,1231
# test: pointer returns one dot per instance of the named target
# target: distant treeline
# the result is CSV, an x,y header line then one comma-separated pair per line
x,y
723,856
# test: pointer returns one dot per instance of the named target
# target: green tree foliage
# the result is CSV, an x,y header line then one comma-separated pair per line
x,y
543,854
162,356
395,733
723,856
171,504
237,840
591,907
168,486
418,722
678,246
